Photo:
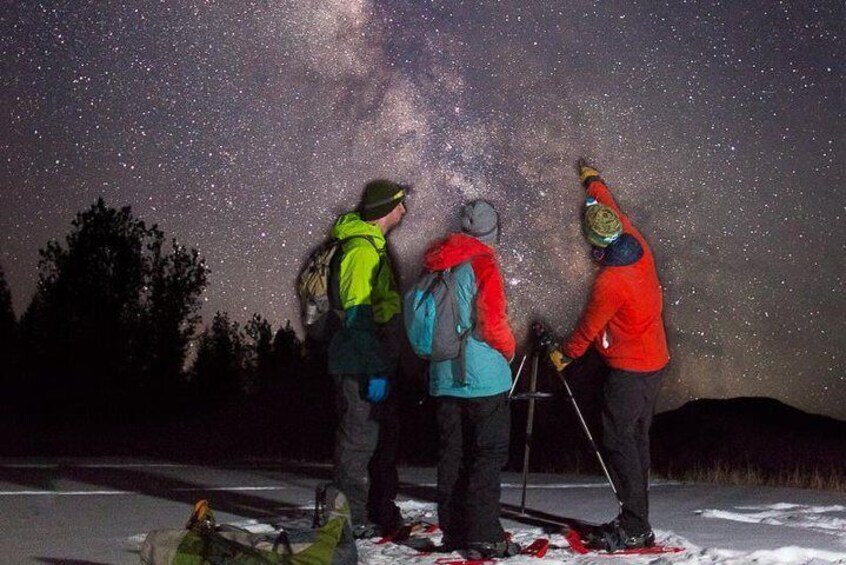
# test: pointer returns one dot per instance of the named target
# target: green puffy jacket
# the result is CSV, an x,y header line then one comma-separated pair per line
x,y
369,300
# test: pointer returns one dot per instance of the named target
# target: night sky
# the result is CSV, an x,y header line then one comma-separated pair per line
x,y
243,128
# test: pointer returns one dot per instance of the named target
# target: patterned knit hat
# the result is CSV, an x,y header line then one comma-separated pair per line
x,y
601,224
379,198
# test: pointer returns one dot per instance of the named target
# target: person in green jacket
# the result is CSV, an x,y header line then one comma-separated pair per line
x,y
363,358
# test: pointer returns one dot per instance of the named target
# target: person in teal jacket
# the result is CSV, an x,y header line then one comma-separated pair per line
x,y
363,358
471,393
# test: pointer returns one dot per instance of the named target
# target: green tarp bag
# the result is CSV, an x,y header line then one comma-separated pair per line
x,y
204,542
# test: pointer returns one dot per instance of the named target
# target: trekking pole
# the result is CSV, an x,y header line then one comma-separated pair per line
x,y
590,437
545,341
517,378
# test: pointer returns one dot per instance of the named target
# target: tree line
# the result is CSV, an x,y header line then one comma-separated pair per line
x,y
113,333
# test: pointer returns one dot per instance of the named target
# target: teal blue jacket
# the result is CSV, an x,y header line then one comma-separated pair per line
x,y
481,305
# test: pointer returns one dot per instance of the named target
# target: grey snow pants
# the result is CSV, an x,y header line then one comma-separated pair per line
x,y
365,455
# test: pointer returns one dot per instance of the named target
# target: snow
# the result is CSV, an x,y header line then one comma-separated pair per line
x,y
714,524
790,515
101,513
811,518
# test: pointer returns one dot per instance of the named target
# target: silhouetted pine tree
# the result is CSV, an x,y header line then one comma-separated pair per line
x,y
176,281
110,316
287,355
8,344
312,401
259,350
82,321
218,372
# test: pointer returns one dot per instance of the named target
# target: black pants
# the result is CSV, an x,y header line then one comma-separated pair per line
x,y
473,448
626,417
365,458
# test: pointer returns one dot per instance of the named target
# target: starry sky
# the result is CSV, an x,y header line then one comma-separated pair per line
x,y
244,128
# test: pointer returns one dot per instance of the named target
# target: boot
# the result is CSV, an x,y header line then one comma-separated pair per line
x,y
646,539
612,537
491,550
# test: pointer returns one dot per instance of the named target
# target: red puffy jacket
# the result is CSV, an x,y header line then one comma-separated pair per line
x,y
623,316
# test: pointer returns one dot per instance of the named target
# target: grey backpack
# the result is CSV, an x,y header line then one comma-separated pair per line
x,y
432,319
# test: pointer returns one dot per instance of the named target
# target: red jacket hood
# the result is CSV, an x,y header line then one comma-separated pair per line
x,y
456,249
491,318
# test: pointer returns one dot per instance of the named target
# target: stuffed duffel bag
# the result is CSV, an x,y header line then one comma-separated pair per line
x,y
204,542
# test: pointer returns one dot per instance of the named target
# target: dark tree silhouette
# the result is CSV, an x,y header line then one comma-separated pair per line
x,y
176,280
287,355
259,347
111,317
310,396
218,372
8,338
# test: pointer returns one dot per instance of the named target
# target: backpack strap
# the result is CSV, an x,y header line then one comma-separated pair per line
x,y
439,276
459,368
361,236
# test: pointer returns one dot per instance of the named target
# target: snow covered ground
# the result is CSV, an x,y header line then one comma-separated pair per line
x,y
780,548
97,512
725,525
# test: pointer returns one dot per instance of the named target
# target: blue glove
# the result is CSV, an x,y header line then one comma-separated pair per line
x,y
377,389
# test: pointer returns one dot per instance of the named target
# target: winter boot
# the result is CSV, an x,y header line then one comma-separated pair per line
x,y
491,550
367,530
637,541
612,537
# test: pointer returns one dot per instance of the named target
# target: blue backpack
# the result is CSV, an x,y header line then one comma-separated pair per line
x,y
432,319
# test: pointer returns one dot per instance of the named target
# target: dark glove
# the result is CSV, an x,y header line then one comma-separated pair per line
x,y
377,389
586,172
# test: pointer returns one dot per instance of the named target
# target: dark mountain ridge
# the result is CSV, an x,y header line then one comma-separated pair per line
x,y
748,432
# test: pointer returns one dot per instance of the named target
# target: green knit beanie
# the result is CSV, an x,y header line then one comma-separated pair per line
x,y
601,224
379,198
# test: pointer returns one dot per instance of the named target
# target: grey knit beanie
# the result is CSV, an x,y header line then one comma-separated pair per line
x,y
479,219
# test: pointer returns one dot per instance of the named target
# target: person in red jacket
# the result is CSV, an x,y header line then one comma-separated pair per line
x,y
623,321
